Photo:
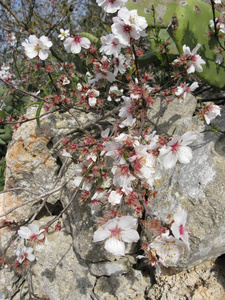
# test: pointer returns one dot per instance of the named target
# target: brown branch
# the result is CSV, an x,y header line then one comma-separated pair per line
x,y
13,14
23,91
87,125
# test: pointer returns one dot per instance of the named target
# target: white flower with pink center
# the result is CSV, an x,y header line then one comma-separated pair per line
x,y
177,150
110,45
128,25
32,233
184,89
92,97
168,248
211,112
111,6
116,232
74,44
194,60
123,178
115,150
24,253
178,227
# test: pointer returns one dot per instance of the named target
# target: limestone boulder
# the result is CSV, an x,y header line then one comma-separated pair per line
x,y
197,187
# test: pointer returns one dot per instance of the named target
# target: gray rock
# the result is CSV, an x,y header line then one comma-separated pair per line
x,y
132,286
199,188
114,268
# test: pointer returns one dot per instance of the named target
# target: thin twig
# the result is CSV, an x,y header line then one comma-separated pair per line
x,y
72,199
36,199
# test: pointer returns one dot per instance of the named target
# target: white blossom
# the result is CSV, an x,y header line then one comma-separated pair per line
x,y
65,81
219,25
92,94
128,25
176,150
31,232
74,44
212,111
168,248
115,93
63,34
178,227
116,232
195,60
24,253
34,46
184,89
110,6
110,45
219,58
123,178
147,163
11,39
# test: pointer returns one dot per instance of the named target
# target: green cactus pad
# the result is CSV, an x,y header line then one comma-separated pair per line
x,y
192,28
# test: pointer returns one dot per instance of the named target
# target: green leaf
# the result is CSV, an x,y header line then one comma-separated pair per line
x,y
2,142
2,114
38,112
34,103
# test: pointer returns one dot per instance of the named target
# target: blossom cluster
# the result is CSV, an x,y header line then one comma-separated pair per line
x,y
116,170
24,254
170,240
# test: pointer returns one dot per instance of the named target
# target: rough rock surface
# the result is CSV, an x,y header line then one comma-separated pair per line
x,y
198,186
60,274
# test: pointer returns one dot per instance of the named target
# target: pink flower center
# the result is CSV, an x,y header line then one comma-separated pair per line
x,y
124,170
119,151
127,28
114,44
175,147
115,232
194,58
34,237
111,1
77,39
181,230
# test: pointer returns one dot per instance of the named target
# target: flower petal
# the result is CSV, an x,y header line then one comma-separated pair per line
x,y
127,222
115,246
100,235
130,236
